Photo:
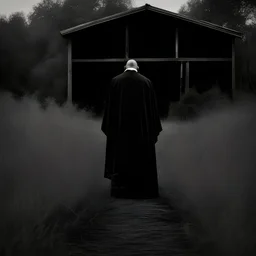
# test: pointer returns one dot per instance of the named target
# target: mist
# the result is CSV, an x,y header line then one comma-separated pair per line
x,y
56,156
49,158
208,168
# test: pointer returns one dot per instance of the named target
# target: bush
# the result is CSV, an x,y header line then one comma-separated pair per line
x,y
193,104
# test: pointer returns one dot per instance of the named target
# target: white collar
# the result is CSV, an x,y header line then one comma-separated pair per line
x,y
134,69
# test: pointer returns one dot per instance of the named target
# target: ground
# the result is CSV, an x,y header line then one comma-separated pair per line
x,y
133,227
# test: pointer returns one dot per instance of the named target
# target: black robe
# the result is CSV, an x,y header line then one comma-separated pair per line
x,y
132,124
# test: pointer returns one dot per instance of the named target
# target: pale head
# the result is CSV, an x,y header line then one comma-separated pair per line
x,y
132,64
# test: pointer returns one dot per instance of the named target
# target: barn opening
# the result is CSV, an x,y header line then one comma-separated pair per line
x,y
175,52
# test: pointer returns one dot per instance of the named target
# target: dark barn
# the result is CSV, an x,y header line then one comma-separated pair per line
x,y
175,52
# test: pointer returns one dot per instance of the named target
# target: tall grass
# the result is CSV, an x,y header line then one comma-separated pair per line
x,y
209,165
53,159
50,161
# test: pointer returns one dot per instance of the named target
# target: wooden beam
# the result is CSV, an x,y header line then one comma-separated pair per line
x,y
187,78
181,70
98,60
126,42
233,68
177,43
181,78
157,60
69,98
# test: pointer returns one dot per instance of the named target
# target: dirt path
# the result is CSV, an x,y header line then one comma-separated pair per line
x,y
132,227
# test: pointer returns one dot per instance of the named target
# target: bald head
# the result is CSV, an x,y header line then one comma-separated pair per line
x,y
132,64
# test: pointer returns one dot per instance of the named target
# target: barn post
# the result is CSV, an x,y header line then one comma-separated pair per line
x,y
69,71
177,56
126,42
233,68
187,77
177,43
181,78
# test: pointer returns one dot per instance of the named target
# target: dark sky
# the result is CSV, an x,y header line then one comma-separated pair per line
x,y
9,6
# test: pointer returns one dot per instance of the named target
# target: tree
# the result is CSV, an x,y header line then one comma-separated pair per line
x,y
33,53
230,13
236,14
48,75
15,52
110,7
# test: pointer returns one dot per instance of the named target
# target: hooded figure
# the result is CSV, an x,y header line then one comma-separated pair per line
x,y
132,124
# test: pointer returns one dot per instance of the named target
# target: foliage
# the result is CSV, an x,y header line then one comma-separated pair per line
x,y
230,13
193,104
47,182
33,53
236,14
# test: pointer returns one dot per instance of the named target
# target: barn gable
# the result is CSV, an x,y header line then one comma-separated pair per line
x,y
149,8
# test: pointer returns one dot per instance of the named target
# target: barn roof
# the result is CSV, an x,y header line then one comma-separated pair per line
x,y
151,8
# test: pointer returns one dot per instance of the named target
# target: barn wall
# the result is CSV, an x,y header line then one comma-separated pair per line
x,y
165,78
203,76
200,42
151,35
103,41
91,82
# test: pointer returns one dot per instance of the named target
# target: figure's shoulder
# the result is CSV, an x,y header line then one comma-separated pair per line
x,y
145,79
139,76
117,77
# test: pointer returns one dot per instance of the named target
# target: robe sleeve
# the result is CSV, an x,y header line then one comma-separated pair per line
x,y
110,109
105,120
